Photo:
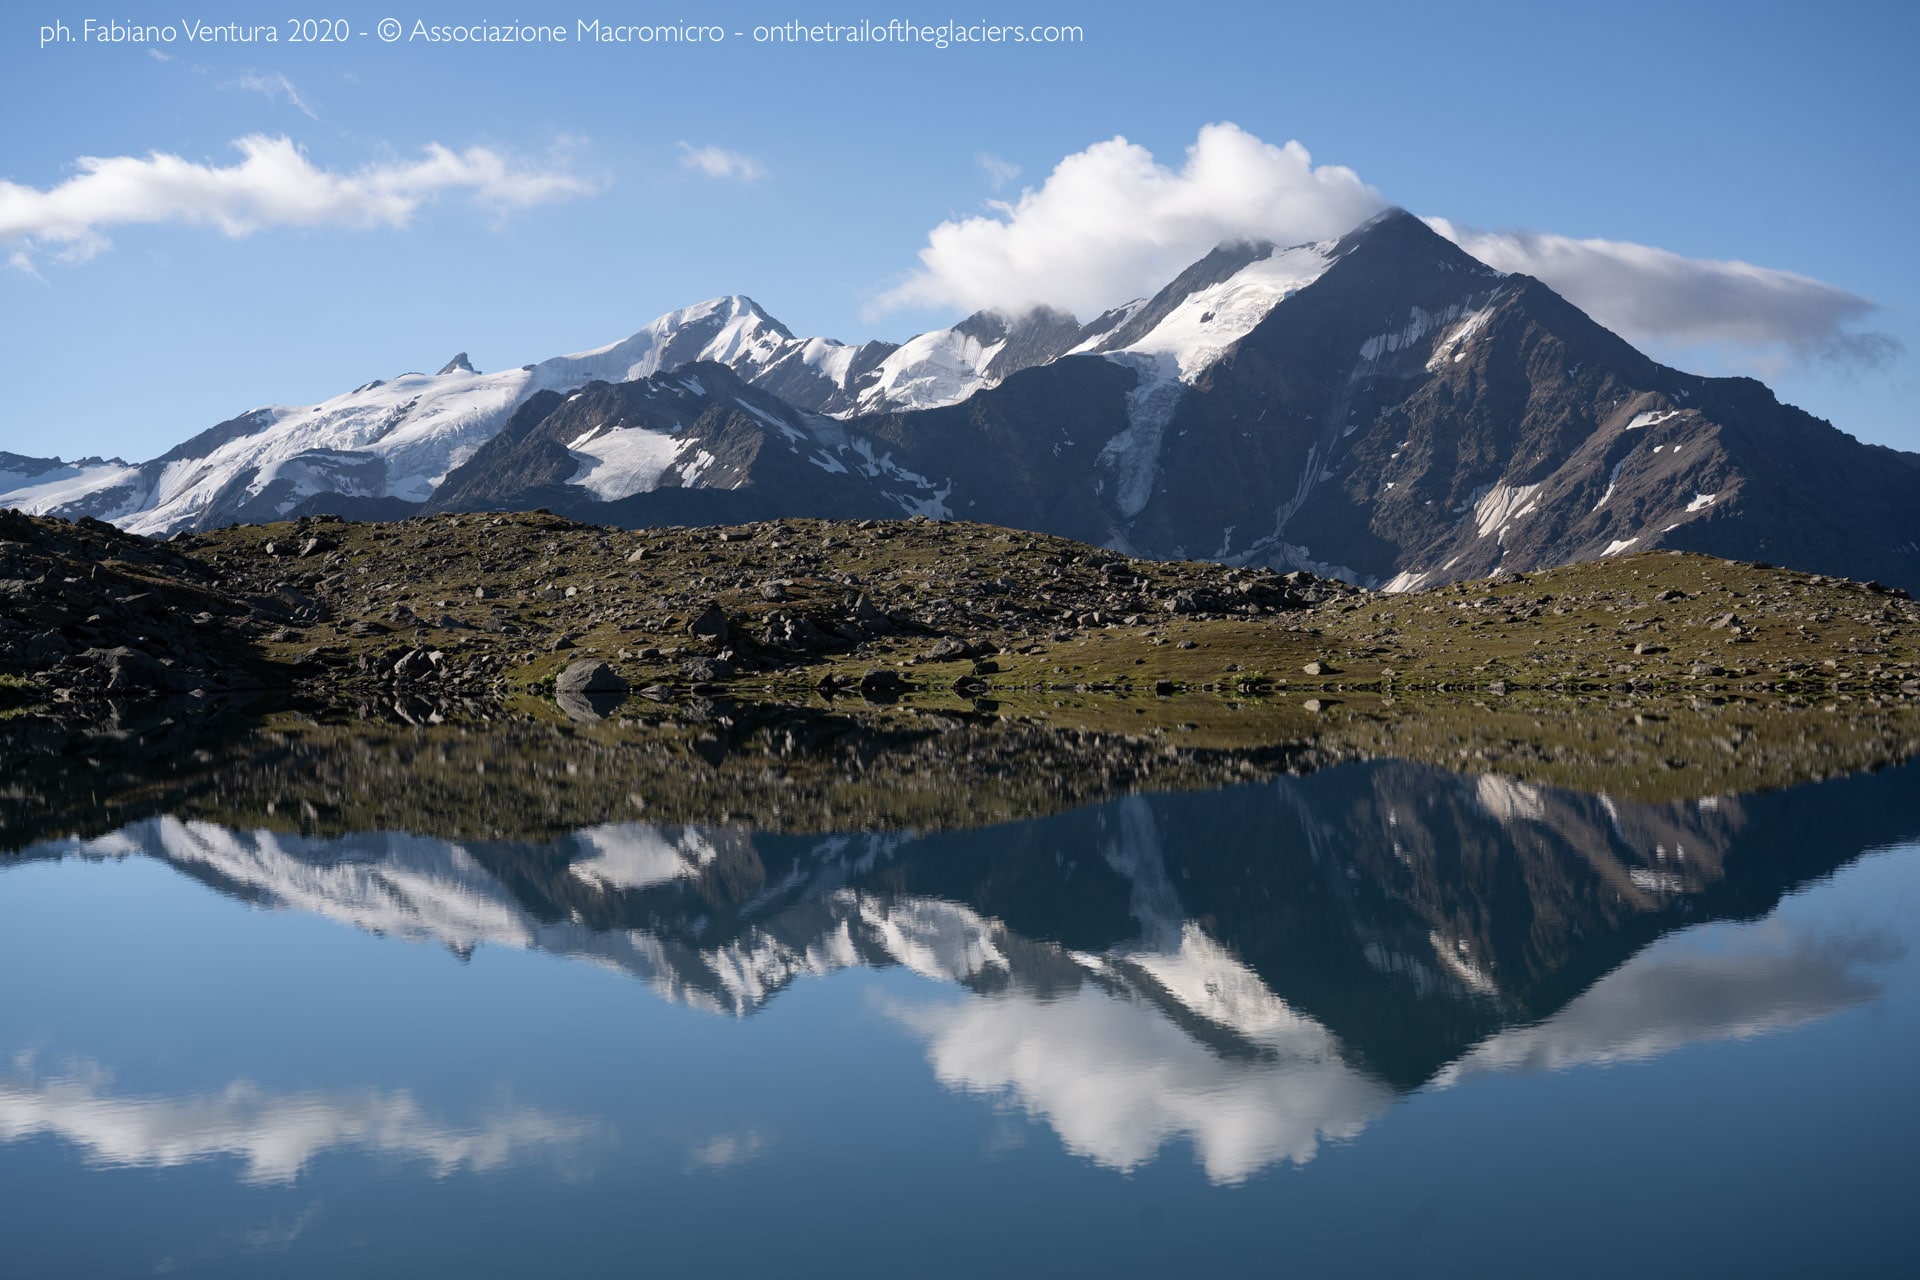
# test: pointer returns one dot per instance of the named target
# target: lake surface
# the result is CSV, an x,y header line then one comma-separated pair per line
x,y
1377,1020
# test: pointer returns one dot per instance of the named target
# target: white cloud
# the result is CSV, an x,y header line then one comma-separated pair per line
x,y
717,162
273,184
1654,295
276,86
21,262
999,172
1111,223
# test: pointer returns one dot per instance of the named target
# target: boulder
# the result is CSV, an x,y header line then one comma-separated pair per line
x,y
589,690
881,683
589,676
706,669
43,650
711,625
131,673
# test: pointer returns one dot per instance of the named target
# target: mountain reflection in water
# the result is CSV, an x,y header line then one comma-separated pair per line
x,y
1256,970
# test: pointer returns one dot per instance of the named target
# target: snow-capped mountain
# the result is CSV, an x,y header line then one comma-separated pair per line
x,y
699,441
390,445
385,447
1382,408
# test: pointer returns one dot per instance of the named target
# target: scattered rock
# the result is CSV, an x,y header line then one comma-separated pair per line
x,y
44,650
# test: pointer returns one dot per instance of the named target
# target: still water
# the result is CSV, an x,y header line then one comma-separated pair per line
x,y
1378,1019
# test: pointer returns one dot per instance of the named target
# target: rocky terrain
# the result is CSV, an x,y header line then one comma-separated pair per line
x,y
476,609
907,665
87,612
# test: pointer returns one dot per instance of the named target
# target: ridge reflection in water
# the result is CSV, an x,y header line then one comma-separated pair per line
x,y
1256,971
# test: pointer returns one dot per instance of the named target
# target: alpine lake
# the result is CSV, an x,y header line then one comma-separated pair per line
x,y
831,989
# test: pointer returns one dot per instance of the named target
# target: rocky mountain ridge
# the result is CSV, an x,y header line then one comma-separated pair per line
x,y
1382,408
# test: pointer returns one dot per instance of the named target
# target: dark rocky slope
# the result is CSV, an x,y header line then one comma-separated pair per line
x,y
1409,418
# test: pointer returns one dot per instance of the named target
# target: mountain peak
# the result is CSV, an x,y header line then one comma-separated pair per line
x,y
1407,240
1389,216
730,310
992,326
459,364
739,306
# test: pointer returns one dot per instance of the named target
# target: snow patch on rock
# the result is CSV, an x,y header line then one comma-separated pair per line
x,y
1502,505
623,461
1197,332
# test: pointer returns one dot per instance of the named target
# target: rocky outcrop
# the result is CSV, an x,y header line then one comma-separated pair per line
x,y
88,612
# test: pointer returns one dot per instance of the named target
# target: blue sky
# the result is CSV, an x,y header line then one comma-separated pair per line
x,y
571,206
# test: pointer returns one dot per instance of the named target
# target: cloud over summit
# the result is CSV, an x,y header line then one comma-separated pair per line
x,y
1112,223
1650,294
